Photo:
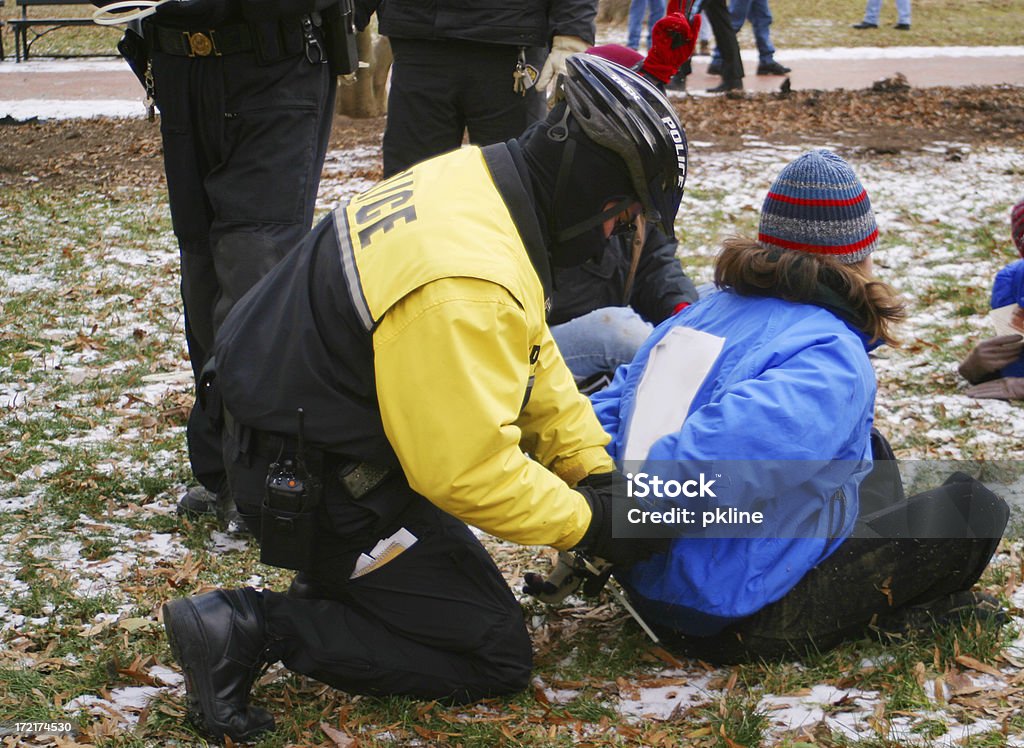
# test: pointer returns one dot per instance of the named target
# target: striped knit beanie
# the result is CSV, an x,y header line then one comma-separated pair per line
x,y
818,205
1017,226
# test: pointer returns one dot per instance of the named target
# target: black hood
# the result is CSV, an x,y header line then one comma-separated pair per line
x,y
572,178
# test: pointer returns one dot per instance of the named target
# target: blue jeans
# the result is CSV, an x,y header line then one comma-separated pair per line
x,y
760,17
874,8
600,341
637,10
705,28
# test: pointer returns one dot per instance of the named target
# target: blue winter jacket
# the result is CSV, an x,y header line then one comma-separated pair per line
x,y
1008,288
790,387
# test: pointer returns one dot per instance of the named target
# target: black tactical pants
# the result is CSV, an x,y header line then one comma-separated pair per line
x,y
441,89
718,14
244,142
437,622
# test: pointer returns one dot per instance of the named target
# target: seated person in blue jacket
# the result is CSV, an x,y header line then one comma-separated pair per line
x,y
603,310
996,366
774,370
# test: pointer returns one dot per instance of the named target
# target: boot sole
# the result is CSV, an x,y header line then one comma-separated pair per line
x,y
184,630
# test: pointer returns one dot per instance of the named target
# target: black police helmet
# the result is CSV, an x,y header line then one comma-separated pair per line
x,y
618,109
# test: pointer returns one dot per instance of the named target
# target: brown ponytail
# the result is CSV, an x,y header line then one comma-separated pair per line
x,y
750,269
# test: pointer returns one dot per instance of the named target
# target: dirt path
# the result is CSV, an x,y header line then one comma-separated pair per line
x,y
56,89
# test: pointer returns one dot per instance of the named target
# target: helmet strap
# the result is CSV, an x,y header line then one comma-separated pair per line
x,y
589,223
639,235
559,133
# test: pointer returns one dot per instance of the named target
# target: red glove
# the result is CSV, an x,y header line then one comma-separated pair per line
x,y
672,42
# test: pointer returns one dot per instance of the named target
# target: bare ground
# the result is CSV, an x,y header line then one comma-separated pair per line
x,y
104,153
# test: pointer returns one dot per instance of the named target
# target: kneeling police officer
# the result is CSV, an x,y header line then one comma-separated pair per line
x,y
392,381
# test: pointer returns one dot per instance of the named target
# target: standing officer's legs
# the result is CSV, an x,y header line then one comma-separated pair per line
x,y
494,111
244,144
423,116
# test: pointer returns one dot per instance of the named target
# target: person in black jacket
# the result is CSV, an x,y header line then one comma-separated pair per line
x,y
602,312
341,369
246,97
462,67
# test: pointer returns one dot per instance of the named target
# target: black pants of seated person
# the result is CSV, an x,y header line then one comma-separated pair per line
x,y
870,579
437,622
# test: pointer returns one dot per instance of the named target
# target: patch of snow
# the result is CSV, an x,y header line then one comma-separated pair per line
x,y
660,702
124,703
25,109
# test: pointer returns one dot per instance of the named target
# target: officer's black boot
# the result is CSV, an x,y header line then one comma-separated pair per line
x,y
220,642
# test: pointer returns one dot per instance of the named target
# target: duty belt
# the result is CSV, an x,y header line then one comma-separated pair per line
x,y
223,40
357,478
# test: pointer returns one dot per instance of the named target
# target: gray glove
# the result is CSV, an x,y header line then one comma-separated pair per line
x,y
1004,388
989,356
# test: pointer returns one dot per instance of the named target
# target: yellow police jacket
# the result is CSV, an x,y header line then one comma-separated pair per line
x,y
475,398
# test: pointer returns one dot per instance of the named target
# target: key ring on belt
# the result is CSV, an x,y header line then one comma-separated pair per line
x,y
124,11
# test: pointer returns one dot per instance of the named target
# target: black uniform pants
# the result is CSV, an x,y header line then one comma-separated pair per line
x,y
437,622
244,142
443,88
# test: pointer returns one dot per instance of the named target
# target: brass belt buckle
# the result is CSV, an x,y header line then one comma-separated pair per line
x,y
200,44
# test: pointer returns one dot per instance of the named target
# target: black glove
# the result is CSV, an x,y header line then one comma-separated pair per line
x,y
598,542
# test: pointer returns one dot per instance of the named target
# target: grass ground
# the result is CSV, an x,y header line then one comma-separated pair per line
x,y
94,389
941,23
93,396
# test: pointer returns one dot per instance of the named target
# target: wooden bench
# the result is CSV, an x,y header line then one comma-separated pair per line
x,y
26,24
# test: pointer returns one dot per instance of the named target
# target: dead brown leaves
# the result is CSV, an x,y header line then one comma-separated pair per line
x,y
878,121
127,152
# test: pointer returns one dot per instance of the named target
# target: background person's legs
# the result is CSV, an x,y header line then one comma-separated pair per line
x,y
903,12
635,23
725,40
656,11
423,114
760,17
600,341
872,11
739,11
